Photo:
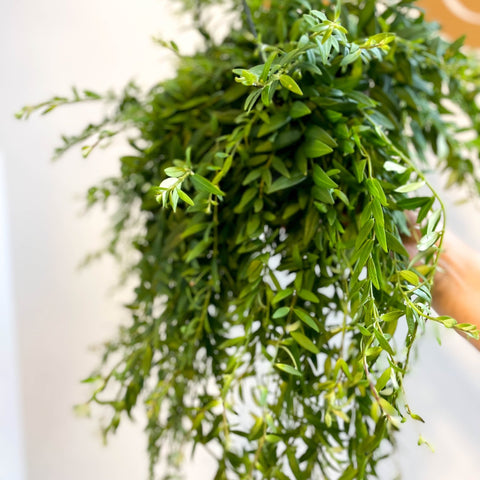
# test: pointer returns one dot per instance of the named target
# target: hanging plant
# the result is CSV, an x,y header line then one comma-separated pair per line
x,y
265,195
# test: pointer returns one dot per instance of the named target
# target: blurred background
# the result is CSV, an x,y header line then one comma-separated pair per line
x,y
51,313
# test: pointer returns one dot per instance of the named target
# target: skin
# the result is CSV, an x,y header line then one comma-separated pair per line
x,y
456,289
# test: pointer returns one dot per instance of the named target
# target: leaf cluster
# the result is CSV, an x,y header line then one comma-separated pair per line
x,y
275,305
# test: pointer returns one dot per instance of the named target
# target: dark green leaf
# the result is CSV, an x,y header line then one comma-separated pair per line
x,y
322,179
299,109
283,182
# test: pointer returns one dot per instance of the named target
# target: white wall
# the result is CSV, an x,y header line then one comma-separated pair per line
x,y
45,47
12,461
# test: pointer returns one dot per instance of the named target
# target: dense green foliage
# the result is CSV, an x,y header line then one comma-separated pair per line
x,y
265,198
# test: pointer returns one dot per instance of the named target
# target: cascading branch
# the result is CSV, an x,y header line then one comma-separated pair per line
x,y
266,197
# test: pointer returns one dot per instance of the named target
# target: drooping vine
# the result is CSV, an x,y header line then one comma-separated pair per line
x,y
268,183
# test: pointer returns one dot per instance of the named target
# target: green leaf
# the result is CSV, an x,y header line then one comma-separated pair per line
x,y
387,407
316,148
275,123
266,96
252,225
281,312
382,341
375,188
410,277
230,342
350,58
308,295
410,187
173,197
198,250
383,379
359,169
350,473
433,220
174,171
288,369
251,176
246,77
422,441
290,210
247,197
381,236
377,211
290,84
412,203
251,99
267,67
412,318
395,245
392,316
185,197
204,185
305,342
339,194
324,195
281,295
315,132
92,379
372,273
447,321
283,182
193,229
425,209
362,254
271,438
306,318
364,233
279,165
299,109
427,241
321,178
471,330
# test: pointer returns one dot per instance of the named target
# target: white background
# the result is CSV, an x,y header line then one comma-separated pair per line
x,y
45,48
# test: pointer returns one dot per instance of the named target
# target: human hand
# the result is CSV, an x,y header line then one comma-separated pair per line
x,y
456,283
